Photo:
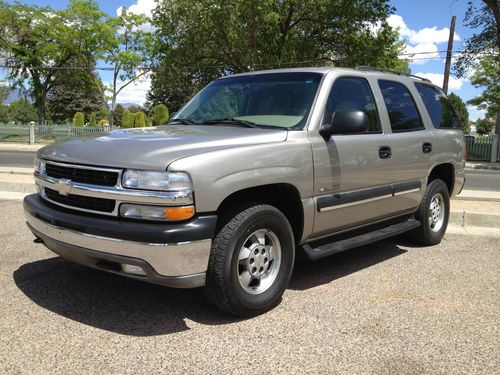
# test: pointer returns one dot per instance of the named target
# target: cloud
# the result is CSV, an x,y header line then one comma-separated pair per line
x,y
422,40
144,7
454,84
133,93
475,114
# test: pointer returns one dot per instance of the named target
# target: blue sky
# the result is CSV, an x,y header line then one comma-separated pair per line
x,y
423,24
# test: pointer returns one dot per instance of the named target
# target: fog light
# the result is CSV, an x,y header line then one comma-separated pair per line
x,y
133,269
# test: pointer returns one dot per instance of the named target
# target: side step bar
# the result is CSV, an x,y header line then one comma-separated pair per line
x,y
360,240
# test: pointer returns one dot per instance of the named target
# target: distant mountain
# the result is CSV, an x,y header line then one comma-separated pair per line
x,y
126,105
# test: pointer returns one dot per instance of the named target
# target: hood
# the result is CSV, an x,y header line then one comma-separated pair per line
x,y
155,148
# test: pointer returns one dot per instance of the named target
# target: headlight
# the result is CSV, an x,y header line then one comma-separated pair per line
x,y
39,165
151,180
144,212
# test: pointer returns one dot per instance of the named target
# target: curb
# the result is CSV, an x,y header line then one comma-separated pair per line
x,y
17,170
487,166
466,219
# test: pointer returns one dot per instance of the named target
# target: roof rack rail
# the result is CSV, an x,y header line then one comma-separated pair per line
x,y
373,69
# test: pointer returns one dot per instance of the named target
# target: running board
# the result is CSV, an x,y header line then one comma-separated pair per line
x,y
360,240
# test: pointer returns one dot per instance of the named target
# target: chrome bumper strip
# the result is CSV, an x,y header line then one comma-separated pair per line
x,y
167,259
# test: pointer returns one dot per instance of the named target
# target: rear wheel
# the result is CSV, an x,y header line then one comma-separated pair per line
x,y
433,213
251,262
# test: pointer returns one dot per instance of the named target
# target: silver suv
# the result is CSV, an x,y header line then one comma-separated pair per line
x,y
254,170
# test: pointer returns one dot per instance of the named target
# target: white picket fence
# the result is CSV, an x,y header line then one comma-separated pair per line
x,y
48,132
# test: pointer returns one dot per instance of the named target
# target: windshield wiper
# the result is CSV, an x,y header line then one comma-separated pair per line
x,y
232,121
182,121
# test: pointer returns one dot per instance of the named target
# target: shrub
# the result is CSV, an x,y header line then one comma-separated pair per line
x,y
92,120
160,114
139,120
78,119
127,119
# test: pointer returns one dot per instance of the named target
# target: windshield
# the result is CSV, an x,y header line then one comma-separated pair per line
x,y
276,100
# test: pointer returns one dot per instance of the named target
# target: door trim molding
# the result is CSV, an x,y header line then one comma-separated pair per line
x,y
352,198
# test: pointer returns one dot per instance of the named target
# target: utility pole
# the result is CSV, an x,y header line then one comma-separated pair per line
x,y
448,56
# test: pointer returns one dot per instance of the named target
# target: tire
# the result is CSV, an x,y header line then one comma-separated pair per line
x,y
434,221
250,282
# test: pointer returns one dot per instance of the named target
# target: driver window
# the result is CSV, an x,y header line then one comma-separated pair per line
x,y
352,94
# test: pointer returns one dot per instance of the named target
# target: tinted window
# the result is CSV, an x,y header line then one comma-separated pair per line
x,y
401,107
438,106
352,94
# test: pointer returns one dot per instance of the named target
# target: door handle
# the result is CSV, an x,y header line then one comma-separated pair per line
x,y
427,147
384,152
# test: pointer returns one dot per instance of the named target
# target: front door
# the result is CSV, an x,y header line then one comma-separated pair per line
x,y
353,172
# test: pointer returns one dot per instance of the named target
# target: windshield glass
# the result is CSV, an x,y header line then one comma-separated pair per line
x,y
276,100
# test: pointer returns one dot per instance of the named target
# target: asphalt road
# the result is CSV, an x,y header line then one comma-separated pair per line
x,y
21,159
488,180
388,308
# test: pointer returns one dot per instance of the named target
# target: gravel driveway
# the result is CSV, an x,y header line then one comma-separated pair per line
x,y
388,308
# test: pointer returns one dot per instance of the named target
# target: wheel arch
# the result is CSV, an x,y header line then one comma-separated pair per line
x,y
444,172
284,196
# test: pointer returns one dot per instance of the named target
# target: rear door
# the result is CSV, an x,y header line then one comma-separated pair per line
x,y
413,146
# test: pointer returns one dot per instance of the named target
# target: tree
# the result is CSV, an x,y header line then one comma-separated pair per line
x,y
139,121
78,119
4,92
127,119
22,111
484,126
4,114
487,75
75,90
203,40
92,120
127,51
40,41
480,52
160,114
117,115
147,120
461,110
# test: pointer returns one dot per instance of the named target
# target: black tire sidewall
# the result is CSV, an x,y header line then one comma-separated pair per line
x,y
265,218
435,186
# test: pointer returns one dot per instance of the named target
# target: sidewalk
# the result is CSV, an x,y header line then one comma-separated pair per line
x,y
21,147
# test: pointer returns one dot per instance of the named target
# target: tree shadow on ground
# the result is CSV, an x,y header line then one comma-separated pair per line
x,y
126,306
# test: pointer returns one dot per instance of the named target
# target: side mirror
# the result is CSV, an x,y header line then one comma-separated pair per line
x,y
345,122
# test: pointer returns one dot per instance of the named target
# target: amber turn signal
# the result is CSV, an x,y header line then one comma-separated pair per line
x,y
178,213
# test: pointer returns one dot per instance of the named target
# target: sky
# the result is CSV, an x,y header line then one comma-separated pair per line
x,y
423,26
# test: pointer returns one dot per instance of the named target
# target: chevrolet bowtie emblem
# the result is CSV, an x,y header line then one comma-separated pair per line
x,y
63,186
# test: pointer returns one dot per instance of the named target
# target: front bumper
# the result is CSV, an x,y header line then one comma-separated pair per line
x,y
169,254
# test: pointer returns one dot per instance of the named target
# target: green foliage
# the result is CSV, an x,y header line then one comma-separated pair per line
x,y
139,121
483,17
92,120
147,120
4,92
4,114
202,40
117,115
160,114
461,110
127,49
75,90
22,112
41,40
484,126
78,119
487,75
128,119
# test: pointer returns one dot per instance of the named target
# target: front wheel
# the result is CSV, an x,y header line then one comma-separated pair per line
x,y
433,213
251,262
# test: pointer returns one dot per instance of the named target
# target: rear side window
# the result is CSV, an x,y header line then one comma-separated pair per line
x,y
401,107
438,106
352,94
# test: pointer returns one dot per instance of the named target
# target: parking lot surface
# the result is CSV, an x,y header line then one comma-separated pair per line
x,y
387,308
